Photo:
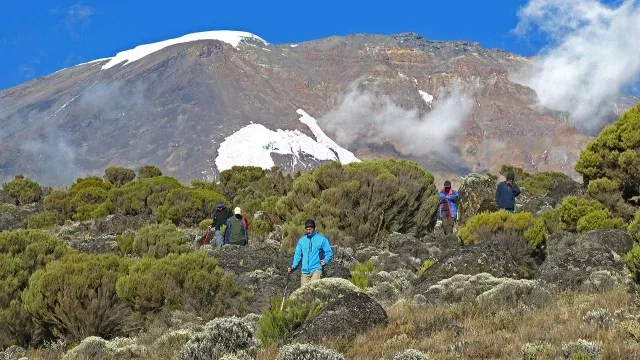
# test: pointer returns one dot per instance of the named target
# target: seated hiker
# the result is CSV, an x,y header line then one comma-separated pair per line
x,y
220,216
448,211
506,193
313,252
237,232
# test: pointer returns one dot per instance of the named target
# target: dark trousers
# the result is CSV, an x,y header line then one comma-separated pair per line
x,y
447,224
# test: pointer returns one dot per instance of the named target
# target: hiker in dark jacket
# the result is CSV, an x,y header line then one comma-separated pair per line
x,y
220,216
313,252
506,193
448,211
236,233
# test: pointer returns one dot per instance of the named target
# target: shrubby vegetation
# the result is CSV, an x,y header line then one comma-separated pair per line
x,y
157,240
75,297
192,282
483,226
23,190
361,201
118,175
42,220
277,326
360,274
537,183
148,171
614,155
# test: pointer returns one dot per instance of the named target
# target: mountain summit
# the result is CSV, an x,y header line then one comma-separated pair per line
x,y
203,102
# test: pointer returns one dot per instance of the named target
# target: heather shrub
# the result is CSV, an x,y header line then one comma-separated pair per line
x,y
185,206
426,265
125,242
22,252
361,201
411,354
191,282
159,240
483,226
118,175
538,183
572,208
83,201
307,352
42,220
600,219
277,326
360,274
634,227
132,198
581,349
148,171
23,190
220,337
75,297
59,202
608,193
536,350
614,154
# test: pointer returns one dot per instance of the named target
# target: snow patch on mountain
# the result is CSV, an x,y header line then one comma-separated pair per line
x,y
344,156
231,37
253,145
428,98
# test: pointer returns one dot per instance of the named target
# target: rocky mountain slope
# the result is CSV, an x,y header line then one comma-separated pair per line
x,y
202,103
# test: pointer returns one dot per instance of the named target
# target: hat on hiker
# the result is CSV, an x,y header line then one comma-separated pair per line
x,y
310,224
237,211
511,176
219,204
447,184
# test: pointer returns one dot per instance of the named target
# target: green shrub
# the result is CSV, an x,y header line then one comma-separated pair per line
x,y
426,265
22,252
119,176
259,227
572,208
42,220
132,198
634,227
633,261
86,199
277,326
614,154
536,183
59,202
535,235
191,282
187,206
75,297
148,171
608,193
360,274
483,225
361,201
159,240
600,219
23,190
125,242
204,224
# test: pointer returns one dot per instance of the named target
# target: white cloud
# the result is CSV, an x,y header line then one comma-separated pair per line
x,y
364,116
592,57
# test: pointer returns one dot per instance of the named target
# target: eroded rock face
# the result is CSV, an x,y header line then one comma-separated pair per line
x,y
477,194
343,318
587,261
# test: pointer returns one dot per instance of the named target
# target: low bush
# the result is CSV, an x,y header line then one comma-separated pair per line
x,y
426,265
572,208
159,240
608,193
220,337
132,198
632,260
600,220
191,282
75,297
23,190
307,351
360,274
118,175
42,220
125,242
484,225
148,171
634,227
277,326
185,206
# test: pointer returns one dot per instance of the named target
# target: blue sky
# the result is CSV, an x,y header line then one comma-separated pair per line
x,y
39,37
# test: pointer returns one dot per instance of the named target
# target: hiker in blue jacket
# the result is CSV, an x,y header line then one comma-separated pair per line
x,y
507,192
313,252
448,211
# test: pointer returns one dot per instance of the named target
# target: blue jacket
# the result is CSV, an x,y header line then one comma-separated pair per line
x,y
506,196
452,199
308,252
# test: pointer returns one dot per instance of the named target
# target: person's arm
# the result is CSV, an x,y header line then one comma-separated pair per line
x,y
328,253
442,196
297,256
515,189
245,228
497,195
453,197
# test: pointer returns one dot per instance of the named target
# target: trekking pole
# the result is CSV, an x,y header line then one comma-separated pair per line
x,y
284,294
206,238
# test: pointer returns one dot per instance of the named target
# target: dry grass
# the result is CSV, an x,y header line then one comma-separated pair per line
x,y
470,331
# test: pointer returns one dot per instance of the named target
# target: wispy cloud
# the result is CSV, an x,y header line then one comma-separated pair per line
x,y
591,60
74,18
